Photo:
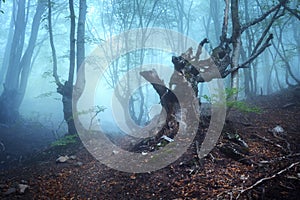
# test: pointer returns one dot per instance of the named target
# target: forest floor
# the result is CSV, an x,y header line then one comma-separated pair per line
x,y
272,173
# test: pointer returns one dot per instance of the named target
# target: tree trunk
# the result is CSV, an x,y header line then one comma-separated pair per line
x,y
26,60
236,42
67,93
181,101
8,45
81,33
19,65
214,13
66,89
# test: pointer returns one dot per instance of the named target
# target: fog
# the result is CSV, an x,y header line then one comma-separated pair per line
x,y
149,99
275,69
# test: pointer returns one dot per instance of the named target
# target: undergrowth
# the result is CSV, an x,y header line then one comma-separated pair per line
x,y
67,139
228,95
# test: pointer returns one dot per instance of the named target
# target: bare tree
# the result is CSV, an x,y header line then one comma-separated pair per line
x,y
126,15
66,89
8,44
19,63
283,54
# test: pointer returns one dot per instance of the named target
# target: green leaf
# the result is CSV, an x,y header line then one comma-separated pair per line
x,y
228,94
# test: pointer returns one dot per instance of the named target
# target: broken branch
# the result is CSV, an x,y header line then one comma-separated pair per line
x,y
267,178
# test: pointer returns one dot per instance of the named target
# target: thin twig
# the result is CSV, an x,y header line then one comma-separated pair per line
x,y
269,141
2,145
267,178
279,158
261,18
292,11
257,53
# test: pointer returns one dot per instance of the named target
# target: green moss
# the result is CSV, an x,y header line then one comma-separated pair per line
x,y
68,139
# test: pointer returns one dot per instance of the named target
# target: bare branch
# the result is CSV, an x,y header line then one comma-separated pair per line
x,y
257,53
258,43
286,62
292,11
261,18
269,141
267,178
54,57
279,158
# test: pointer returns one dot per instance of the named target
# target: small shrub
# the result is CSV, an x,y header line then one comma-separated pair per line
x,y
239,105
68,139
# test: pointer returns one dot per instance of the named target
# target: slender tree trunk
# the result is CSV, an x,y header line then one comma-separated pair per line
x,y
53,50
72,43
214,13
67,89
26,60
64,89
12,75
236,42
81,33
255,80
246,75
8,44
278,79
248,80
19,65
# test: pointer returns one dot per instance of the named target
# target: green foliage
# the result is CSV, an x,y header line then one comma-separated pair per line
x,y
47,74
230,92
97,109
243,107
230,103
68,139
46,94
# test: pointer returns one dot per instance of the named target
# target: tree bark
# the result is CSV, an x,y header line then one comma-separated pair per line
x,y
180,103
26,60
12,75
19,65
66,89
236,43
81,33
8,45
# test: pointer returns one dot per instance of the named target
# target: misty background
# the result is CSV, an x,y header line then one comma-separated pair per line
x,y
275,69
